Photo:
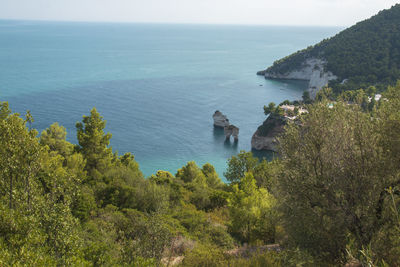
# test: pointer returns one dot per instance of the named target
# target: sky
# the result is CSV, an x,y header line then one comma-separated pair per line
x,y
259,12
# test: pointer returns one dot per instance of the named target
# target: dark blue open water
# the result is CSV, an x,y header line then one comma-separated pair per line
x,y
156,85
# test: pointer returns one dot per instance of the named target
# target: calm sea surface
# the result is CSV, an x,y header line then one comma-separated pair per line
x,y
156,85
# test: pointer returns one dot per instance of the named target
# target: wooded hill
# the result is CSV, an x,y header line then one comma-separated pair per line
x,y
332,197
367,53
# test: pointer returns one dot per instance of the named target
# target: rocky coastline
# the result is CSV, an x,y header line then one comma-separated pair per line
x,y
311,70
265,138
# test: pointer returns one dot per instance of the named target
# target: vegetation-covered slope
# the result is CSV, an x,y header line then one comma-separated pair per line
x,y
83,205
366,53
332,198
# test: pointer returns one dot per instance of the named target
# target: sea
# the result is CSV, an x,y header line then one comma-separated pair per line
x,y
156,85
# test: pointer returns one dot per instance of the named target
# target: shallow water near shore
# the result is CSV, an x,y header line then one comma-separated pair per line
x,y
156,85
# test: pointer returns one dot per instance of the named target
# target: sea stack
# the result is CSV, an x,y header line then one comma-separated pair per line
x,y
220,120
231,130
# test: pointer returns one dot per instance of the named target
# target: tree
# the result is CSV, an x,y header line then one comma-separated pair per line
x,y
265,172
371,91
239,165
191,173
152,236
162,177
325,94
279,111
386,243
55,138
4,110
332,181
19,155
306,97
211,175
270,109
290,113
252,212
93,143
37,228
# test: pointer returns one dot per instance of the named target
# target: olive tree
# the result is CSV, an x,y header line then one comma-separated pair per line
x,y
332,180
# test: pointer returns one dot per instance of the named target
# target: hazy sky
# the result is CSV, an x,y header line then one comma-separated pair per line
x,y
281,12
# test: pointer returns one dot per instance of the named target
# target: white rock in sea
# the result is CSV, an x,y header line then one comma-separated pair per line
x,y
311,70
231,130
220,120
235,133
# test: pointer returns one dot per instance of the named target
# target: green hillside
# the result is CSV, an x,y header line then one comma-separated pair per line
x,y
332,198
364,54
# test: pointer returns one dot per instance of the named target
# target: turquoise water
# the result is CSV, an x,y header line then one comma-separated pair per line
x,y
156,85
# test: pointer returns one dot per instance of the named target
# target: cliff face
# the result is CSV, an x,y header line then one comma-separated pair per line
x,y
311,70
265,138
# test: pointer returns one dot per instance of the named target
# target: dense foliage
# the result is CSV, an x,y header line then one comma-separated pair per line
x,y
332,198
366,53
65,204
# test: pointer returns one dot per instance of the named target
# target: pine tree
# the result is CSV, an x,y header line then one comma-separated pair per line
x,y
94,144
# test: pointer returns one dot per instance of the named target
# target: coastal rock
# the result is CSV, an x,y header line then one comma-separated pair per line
x,y
265,138
311,70
235,133
231,130
220,120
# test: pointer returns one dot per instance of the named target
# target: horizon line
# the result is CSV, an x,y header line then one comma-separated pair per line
x,y
174,23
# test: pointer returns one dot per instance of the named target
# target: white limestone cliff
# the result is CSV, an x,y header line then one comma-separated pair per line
x,y
311,70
